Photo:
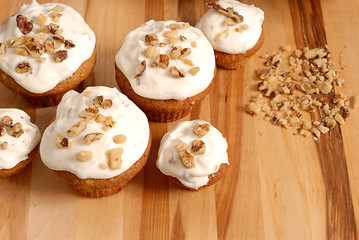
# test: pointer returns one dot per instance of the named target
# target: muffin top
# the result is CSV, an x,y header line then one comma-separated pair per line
x,y
232,27
191,152
42,45
98,134
18,137
167,60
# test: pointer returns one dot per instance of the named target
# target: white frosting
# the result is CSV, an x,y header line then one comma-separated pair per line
x,y
18,148
169,163
158,83
130,121
211,25
46,75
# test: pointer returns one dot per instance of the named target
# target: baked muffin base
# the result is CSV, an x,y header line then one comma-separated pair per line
x,y
94,188
53,96
235,61
213,178
20,166
160,110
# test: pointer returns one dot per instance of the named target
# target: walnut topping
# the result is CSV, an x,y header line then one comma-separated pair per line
x,y
118,139
201,129
49,46
187,159
60,55
176,72
24,26
140,69
15,130
55,17
100,118
182,38
150,52
229,12
161,61
58,8
6,121
4,145
91,111
198,147
188,62
23,67
76,129
54,28
41,20
2,130
173,40
92,137
35,49
176,26
151,39
2,51
69,44
109,122
107,103
114,158
193,44
181,146
194,71
176,52
169,34
63,142
58,41
84,156
184,53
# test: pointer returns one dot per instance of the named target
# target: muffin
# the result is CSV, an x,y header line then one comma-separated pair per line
x,y
193,154
165,68
98,142
45,50
18,140
235,31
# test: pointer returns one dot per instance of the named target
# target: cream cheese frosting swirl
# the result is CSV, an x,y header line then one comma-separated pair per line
x,y
207,163
19,147
156,82
130,121
233,41
44,76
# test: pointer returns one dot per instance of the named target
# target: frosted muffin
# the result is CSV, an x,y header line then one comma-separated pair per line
x,y
193,154
98,142
45,50
18,140
235,31
166,68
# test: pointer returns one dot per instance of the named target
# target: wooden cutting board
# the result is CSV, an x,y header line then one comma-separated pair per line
x,y
279,186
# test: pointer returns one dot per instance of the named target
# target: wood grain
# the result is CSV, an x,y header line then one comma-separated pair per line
x,y
279,186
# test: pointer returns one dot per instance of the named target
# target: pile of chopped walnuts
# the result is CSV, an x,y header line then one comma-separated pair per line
x,y
198,147
303,85
7,126
37,44
163,60
89,114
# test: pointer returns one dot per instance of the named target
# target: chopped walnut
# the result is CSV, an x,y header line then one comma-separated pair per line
x,y
229,12
198,147
22,23
150,52
23,67
41,20
100,118
169,34
114,158
4,145
181,146
92,137
84,156
182,38
58,8
15,130
193,44
54,28
161,61
49,46
140,69
76,129
184,53
187,159
118,139
2,130
253,108
151,39
91,111
173,40
2,51
97,101
109,122
6,121
339,118
176,52
194,71
188,62
201,129
69,44
175,72
35,49
58,41
60,56
55,17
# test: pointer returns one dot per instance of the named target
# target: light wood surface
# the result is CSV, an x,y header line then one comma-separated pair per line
x,y
279,186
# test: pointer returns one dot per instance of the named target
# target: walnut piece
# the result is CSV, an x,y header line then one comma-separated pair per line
x,y
6,121
169,34
15,130
49,46
55,17
92,137
161,61
175,72
84,156
58,8
41,20
184,53
176,52
76,129
60,56
2,130
194,71
150,52
181,146
91,111
23,67
107,103
63,142
188,62
229,12
187,159
151,39
69,44
109,122
2,50
22,23
198,147
114,158
118,139
4,145
140,69
201,129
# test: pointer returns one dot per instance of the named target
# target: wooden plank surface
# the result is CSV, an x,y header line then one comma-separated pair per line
x,y
279,186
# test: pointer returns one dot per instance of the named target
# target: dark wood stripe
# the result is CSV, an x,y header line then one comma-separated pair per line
x,y
309,31
178,232
186,12
154,10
